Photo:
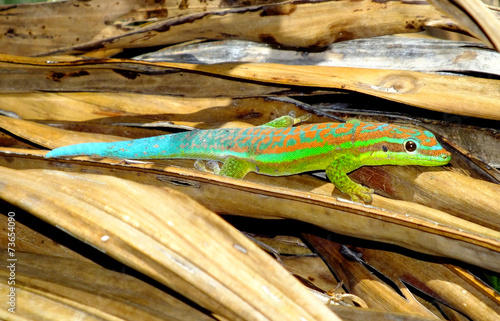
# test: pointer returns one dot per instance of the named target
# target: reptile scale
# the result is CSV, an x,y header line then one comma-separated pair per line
x,y
277,149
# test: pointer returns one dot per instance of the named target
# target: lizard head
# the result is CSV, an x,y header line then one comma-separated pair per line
x,y
398,145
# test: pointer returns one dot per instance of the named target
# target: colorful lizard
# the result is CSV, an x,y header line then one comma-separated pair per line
x,y
277,149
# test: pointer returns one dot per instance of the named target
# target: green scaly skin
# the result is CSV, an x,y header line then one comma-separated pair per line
x,y
278,149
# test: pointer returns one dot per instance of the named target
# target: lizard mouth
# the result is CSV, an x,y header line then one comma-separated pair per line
x,y
428,160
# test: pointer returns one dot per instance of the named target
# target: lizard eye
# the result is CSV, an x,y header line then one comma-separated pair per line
x,y
384,148
410,146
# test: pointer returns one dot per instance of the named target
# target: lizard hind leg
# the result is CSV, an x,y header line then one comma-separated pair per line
x,y
287,121
207,166
235,168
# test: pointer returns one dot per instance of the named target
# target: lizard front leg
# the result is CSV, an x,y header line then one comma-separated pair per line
x,y
337,173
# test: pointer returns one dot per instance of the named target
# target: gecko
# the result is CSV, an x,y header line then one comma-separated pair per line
x,y
279,148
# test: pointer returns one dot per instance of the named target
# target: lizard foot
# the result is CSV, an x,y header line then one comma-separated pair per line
x,y
361,192
207,166
287,121
300,119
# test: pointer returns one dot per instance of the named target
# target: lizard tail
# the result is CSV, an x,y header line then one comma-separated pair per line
x,y
165,146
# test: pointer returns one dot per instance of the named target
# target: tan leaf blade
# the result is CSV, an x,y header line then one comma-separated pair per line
x,y
468,198
445,283
65,287
363,283
435,92
144,79
125,108
177,242
385,52
73,27
442,93
51,137
474,16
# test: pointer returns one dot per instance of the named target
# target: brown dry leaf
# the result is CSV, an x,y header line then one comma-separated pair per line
x,y
144,79
444,93
361,282
283,244
58,287
48,136
167,236
450,94
123,108
312,269
385,52
474,148
447,284
31,241
455,193
355,314
290,24
473,16
76,26
443,283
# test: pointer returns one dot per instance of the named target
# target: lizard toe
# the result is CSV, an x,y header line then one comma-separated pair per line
x,y
366,194
361,193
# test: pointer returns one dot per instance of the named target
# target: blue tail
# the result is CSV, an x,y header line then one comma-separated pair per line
x,y
165,146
